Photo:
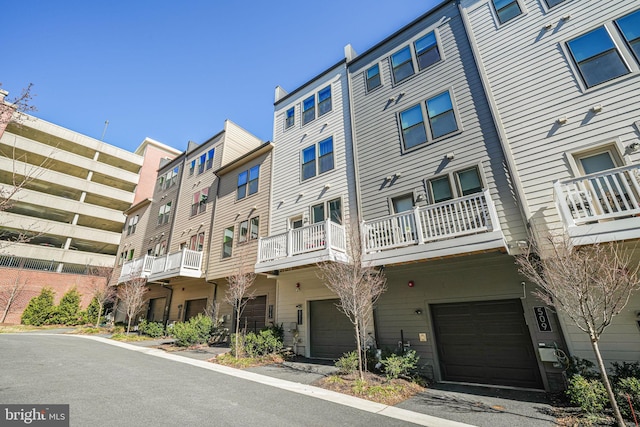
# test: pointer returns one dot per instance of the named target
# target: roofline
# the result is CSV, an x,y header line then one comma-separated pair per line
x,y
267,146
317,77
138,205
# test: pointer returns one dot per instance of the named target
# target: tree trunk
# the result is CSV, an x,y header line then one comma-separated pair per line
x,y
129,325
99,313
607,384
237,329
359,349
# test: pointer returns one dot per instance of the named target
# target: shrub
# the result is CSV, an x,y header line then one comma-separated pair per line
x,y
590,395
276,330
90,315
628,387
395,365
582,367
68,311
624,370
195,331
152,329
348,363
40,309
260,344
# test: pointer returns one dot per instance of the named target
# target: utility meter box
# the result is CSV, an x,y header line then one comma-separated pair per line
x,y
547,354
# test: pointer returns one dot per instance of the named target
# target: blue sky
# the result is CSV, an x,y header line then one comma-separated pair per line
x,y
174,71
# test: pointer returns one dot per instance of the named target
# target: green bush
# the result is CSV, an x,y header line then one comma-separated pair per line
x,y
254,345
623,370
276,330
395,365
590,395
628,387
196,331
68,311
40,309
90,315
348,363
152,329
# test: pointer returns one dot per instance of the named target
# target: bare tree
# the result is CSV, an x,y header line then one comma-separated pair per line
x,y
15,110
589,284
358,285
9,293
103,290
239,292
132,296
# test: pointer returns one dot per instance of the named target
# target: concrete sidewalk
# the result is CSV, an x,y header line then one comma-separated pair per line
x,y
471,405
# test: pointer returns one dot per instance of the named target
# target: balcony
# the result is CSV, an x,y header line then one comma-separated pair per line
x,y
322,241
185,263
463,225
136,268
602,206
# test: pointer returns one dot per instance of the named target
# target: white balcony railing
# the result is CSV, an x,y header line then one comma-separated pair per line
x,y
605,195
445,220
136,268
302,240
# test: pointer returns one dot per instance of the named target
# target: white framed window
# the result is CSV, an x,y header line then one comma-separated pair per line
x,y
202,161
248,229
372,77
506,10
459,183
419,55
441,120
295,222
290,119
597,57
210,155
248,182
333,207
402,203
227,242
317,159
254,228
243,231
192,167
308,110
324,101
200,199
131,227
427,52
402,64
629,27
164,213
553,3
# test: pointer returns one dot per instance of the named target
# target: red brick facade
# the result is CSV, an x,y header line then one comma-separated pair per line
x,y
34,281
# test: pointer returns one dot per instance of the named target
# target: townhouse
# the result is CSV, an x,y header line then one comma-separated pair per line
x,y
438,211
311,205
178,232
563,80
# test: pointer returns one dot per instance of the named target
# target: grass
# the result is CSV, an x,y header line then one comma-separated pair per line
x,y
228,359
134,337
13,329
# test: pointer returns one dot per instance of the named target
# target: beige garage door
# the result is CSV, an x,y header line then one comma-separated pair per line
x,y
331,332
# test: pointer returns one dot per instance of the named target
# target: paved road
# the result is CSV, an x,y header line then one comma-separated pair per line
x,y
111,386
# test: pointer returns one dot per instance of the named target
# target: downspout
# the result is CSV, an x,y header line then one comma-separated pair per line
x,y
168,306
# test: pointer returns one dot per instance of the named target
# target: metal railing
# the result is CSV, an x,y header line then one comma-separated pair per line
x,y
445,220
139,267
10,261
610,194
185,259
302,240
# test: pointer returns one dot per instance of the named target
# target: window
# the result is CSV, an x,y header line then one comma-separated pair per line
x,y
196,243
161,183
317,213
629,26
200,201
248,178
335,210
467,181
227,242
174,176
506,9
163,248
597,57
291,119
244,230
295,222
334,207
427,52
402,64
210,154
131,228
192,167
412,123
308,109
324,101
552,3
254,225
402,203
164,214
324,161
309,162
441,116
130,257
373,77
201,162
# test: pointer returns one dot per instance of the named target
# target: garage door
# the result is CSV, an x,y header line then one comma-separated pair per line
x,y
485,342
156,310
254,314
194,307
331,332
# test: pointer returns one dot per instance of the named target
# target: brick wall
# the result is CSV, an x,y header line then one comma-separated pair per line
x,y
34,281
